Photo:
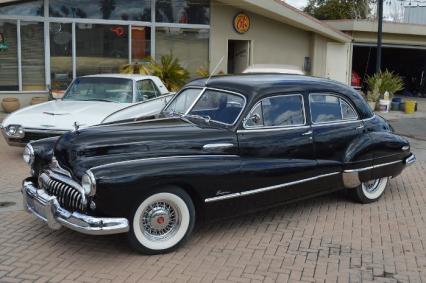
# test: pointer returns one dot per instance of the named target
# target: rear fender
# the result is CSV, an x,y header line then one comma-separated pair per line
x,y
374,155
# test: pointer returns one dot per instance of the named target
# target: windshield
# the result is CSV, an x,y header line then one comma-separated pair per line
x,y
183,101
101,89
212,105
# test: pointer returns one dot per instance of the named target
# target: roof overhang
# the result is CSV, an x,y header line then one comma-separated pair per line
x,y
280,11
371,26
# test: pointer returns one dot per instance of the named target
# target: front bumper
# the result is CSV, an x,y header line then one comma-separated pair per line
x,y
47,208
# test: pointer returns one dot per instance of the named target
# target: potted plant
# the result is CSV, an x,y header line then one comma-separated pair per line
x,y
373,94
387,82
168,69
10,104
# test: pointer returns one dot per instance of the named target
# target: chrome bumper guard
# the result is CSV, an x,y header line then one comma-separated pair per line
x,y
410,160
47,208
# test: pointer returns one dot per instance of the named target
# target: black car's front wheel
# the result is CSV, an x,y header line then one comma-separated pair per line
x,y
162,221
370,191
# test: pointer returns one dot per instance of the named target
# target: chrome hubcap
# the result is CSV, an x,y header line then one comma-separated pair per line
x,y
160,221
371,186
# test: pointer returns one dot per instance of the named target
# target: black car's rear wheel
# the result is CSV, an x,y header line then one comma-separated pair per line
x,y
370,191
162,221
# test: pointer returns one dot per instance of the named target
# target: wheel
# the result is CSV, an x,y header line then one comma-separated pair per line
x,y
370,191
162,222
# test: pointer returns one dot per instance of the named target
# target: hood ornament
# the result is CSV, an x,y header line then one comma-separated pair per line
x,y
76,126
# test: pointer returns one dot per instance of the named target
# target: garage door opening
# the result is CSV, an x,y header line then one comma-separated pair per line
x,y
409,63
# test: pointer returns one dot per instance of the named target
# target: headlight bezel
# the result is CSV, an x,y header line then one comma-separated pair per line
x,y
88,183
28,155
17,132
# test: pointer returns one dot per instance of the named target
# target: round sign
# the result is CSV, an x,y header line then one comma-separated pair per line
x,y
241,23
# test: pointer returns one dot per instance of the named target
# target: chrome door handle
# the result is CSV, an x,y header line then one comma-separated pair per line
x,y
218,146
360,127
308,133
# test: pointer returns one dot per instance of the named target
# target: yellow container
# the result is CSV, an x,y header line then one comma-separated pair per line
x,y
410,106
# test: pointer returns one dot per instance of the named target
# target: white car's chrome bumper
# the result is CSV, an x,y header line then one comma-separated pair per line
x,y
47,208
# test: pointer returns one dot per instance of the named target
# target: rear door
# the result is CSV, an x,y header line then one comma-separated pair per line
x,y
336,127
277,151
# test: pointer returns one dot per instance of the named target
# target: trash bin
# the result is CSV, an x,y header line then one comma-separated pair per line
x,y
410,106
395,106
384,105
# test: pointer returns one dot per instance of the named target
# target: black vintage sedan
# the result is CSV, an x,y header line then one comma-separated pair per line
x,y
224,146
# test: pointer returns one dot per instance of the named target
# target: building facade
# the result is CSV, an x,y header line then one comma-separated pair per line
x,y
47,43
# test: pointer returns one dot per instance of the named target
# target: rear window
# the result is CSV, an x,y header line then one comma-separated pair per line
x,y
330,108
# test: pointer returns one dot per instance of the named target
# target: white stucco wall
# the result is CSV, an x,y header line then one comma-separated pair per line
x,y
272,42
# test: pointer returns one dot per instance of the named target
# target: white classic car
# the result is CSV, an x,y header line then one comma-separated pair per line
x,y
88,101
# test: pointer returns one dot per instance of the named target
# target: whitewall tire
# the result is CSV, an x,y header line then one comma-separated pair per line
x,y
370,191
162,221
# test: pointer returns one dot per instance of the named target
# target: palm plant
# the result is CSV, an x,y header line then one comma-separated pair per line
x,y
168,69
386,81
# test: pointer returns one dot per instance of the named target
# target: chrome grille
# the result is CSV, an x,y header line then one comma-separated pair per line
x,y
68,196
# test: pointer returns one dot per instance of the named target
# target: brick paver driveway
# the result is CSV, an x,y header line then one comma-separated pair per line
x,y
325,239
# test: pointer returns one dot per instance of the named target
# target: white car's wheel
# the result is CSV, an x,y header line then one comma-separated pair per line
x,y
162,221
370,191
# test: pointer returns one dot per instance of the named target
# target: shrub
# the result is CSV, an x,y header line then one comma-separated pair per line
x,y
385,81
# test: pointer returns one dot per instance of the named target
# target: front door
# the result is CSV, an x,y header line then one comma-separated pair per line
x,y
238,56
276,149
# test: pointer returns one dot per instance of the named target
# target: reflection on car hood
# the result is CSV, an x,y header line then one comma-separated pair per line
x,y
61,115
100,145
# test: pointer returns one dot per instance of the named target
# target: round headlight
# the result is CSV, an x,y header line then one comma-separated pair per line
x,y
88,182
15,131
28,154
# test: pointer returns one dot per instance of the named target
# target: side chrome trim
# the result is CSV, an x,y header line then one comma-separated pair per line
x,y
161,158
214,146
372,167
270,188
272,129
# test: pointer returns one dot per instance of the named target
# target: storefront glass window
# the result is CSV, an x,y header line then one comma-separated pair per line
x,y
25,8
8,57
32,52
132,10
183,11
60,55
190,46
141,43
101,48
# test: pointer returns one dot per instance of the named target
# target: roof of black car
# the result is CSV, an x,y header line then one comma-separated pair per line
x,y
250,84
255,85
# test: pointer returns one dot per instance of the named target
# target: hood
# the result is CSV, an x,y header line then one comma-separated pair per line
x,y
61,115
81,150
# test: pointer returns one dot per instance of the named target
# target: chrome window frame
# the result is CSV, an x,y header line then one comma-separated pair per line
x,y
135,87
339,121
203,90
276,127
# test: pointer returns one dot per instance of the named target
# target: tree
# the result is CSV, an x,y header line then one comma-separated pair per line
x,y
338,9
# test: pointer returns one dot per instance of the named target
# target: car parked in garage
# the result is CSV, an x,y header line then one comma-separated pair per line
x,y
227,146
88,101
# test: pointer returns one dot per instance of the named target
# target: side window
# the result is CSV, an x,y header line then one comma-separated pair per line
x,y
145,90
329,108
277,111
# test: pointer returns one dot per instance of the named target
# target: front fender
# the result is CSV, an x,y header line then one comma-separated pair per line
x,y
43,152
122,185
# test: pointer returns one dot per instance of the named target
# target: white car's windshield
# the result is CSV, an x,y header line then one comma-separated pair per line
x,y
101,89
215,105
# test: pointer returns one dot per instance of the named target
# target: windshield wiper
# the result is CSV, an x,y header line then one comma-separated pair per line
x,y
205,118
